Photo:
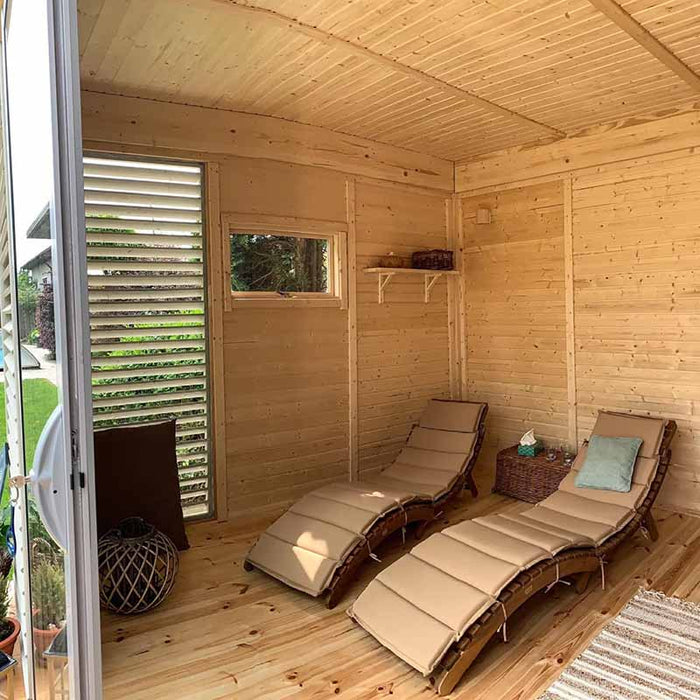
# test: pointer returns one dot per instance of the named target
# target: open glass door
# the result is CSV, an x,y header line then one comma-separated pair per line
x,y
48,425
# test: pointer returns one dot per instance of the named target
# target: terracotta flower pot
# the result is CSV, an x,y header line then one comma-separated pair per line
x,y
8,644
43,639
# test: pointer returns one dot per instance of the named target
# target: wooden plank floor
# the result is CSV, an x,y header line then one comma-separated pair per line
x,y
226,633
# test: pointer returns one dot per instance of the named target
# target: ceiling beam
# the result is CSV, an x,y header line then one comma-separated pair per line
x,y
647,40
333,41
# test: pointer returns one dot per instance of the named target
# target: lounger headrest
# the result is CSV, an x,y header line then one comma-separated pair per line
x,y
650,430
461,416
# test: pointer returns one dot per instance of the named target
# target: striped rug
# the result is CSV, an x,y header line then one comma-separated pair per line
x,y
650,651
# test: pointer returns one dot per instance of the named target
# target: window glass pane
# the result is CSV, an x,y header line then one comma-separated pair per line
x,y
262,262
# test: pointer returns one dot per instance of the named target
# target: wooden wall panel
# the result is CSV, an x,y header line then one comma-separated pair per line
x,y
637,282
286,378
402,344
634,299
515,312
286,386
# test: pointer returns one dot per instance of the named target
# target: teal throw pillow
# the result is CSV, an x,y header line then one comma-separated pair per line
x,y
609,463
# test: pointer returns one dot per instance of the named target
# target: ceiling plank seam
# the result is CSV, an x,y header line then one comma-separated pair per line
x,y
335,41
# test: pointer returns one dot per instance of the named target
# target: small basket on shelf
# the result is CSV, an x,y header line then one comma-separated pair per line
x,y
433,259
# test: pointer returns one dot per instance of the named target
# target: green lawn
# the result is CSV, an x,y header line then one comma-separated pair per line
x,y
40,397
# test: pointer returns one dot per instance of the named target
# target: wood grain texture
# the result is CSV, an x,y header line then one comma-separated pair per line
x,y
615,143
636,262
287,395
312,393
351,282
403,344
570,297
395,72
515,313
112,119
633,300
215,298
332,41
239,619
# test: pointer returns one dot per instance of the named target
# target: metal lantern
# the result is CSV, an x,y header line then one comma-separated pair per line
x,y
137,567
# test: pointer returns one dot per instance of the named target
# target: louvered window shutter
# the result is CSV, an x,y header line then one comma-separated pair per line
x,y
146,278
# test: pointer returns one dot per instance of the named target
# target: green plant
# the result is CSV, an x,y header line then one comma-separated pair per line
x,y
48,590
28,295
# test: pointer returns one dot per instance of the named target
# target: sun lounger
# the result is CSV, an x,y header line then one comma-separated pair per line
x,y
437,606
318,545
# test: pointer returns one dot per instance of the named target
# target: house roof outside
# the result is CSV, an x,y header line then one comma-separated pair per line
x,y
43,258
41,226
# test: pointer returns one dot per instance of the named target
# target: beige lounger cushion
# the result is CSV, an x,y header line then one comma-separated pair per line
x,y
416,608
549,529
295,566
452,415
424,601
305,546
413,635
532,533
442,440
650,430
415,482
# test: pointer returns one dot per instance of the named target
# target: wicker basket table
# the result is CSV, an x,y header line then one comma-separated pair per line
x,y
529,479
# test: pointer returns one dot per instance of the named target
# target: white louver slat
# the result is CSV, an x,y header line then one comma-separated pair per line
x,y
147,306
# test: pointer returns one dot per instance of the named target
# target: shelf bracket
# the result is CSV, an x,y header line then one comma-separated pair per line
x,y
383,279
429,282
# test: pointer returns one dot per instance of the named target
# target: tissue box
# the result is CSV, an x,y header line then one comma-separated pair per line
x,y
530,450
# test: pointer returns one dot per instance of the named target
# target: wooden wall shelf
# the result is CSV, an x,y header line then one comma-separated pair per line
x,y
386,274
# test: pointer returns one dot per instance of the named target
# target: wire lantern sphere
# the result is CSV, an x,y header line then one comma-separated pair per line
x,y
137,567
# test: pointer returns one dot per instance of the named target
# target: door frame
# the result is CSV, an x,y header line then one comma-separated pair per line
x,y
73,342
86,657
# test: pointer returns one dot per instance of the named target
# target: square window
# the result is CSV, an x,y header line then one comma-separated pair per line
x,y
281,265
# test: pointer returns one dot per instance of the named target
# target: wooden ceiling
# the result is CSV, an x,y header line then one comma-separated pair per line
x,y
452,78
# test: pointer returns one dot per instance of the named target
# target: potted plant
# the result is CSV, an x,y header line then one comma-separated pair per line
x,y
9,626
49,600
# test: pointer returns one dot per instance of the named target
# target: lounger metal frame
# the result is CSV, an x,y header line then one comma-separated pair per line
x,y
578,563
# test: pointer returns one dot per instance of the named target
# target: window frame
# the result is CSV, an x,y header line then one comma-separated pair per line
x,y
333,232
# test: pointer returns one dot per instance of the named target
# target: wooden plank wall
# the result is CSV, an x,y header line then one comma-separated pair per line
x,y
286,369
310,393
403,357
514,306
634,297
637,291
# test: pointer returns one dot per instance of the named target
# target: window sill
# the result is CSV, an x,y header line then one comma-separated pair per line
x,y
284,302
